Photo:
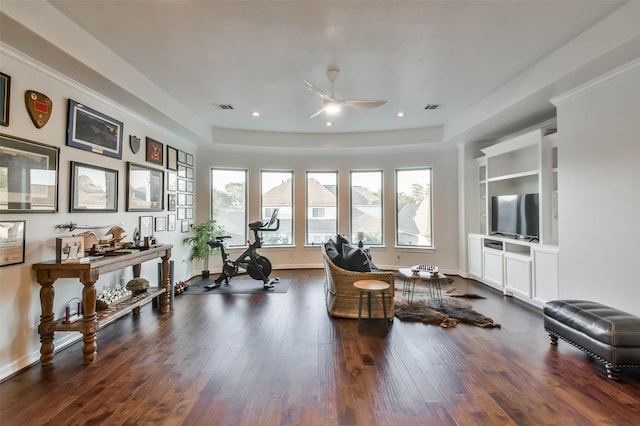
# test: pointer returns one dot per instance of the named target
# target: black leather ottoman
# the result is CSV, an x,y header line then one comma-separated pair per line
x,y
608,334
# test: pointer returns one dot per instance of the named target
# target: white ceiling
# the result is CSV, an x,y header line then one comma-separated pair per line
x,y
254,55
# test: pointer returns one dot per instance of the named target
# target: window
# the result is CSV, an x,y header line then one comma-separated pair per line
x,y
229,203
366,207
277,192
322,206
413,208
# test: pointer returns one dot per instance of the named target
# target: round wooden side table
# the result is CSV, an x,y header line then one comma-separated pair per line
x,y
369,287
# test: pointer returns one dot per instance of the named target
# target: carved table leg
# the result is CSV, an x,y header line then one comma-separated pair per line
x,y
164,298
89,323
45,329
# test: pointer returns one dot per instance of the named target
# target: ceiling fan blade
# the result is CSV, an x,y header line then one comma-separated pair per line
x,y
314,89
363,104
315,114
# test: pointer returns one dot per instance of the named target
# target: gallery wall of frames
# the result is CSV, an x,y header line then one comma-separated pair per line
x,y
71,162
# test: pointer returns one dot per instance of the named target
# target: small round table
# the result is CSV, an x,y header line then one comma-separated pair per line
x,y
369,287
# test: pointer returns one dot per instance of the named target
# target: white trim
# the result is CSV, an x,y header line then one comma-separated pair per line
x,y
616,72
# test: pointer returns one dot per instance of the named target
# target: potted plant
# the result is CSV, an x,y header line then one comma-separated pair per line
x,y
198,243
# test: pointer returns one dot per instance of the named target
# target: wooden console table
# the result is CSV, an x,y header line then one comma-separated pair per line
x,y
88,273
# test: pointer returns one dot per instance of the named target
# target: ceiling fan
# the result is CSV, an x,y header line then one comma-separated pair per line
x,y
333,105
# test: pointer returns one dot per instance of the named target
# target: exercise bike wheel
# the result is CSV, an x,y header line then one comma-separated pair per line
x,y
264,264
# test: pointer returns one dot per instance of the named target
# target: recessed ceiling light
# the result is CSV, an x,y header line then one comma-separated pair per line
x,y
328,124
255,114
400,114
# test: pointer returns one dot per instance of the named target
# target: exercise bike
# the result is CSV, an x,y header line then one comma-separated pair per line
x,y
250,262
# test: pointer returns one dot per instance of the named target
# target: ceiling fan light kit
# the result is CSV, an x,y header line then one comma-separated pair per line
x,y
333,105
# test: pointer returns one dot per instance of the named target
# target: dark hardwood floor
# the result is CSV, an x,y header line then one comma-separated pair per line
x,y
278,359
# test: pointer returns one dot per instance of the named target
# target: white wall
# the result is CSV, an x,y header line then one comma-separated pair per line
x,y
599,190
19,300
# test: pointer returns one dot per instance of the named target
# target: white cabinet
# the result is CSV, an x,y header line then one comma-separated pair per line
x,y
492,267
545,273
517,275
523,269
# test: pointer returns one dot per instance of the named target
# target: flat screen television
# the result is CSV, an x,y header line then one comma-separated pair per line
x,y
515,215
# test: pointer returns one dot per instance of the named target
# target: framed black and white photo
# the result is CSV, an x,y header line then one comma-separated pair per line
x,y
171,202
189,172
93,131
189,213
181,213
184,226
146,226
182,170
189,200
171,222
93,189
172,181
189,159
5,92
28,176
189,186
12,237
145,188
182,157
172,158
160,224
182,199
182,185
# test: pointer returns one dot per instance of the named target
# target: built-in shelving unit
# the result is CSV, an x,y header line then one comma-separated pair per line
x,y
523,164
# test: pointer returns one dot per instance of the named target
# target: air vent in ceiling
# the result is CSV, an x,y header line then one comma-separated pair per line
x,y
431,106
228,107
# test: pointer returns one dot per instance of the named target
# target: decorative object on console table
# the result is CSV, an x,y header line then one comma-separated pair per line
x,y
39,107
5,92
199,242
155,151
12,238
93,189
145,188
69,249
90,130
28,166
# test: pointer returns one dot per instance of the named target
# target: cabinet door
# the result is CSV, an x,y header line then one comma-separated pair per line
x,y
475,256
517,273
545,275
492,267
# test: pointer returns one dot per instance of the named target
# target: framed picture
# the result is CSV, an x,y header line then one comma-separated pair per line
x,y
182,170
155,152
182,185
93,131
184,226
181,213
182,199
172,181
172,158
189,213
189,172
182,157
189,199
145,188
28,176
160,223
146,226
171,202
5,92
93,189
171,222
189,159
12,234
189,186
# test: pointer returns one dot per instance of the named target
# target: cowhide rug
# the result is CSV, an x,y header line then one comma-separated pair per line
x,y
427,309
